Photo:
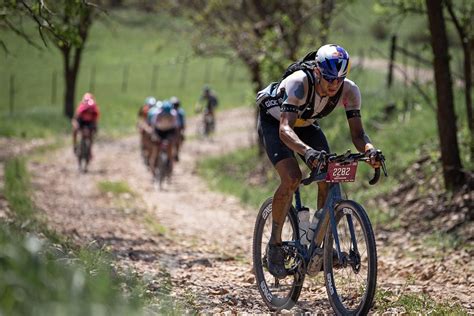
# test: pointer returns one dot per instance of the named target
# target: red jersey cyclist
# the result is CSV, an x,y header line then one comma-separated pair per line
x,y
86,116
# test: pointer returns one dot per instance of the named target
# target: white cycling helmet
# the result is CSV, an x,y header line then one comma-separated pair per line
x,y
151,101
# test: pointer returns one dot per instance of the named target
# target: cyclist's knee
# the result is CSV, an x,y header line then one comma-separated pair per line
x,y
291,179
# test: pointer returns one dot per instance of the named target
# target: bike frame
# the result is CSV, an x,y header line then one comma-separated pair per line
x,y
328,216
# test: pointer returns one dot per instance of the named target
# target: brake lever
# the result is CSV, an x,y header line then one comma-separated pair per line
x,y
384,168
313,174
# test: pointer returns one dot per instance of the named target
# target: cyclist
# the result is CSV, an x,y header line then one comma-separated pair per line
x,y
292,127
165,125
181,125
144,128
210,104
86,116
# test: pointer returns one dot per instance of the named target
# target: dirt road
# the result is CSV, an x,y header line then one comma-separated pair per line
x,y
198,242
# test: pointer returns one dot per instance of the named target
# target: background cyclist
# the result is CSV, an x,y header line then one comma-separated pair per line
x,y
144,128
86,116
292,127
210,103
181,125
165,125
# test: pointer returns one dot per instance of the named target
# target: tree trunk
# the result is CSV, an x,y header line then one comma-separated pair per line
x,y
453,176
468,96
258,85
70,76
467,42
327,6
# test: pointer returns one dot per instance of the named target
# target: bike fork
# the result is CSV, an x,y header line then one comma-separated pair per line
x,y
334,192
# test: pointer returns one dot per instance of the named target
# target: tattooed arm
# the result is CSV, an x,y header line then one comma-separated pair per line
x,y
295,94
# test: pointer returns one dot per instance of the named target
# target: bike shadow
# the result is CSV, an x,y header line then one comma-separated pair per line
x,y
92,172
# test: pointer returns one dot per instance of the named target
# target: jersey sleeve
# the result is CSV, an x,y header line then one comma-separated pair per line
x,y
295,92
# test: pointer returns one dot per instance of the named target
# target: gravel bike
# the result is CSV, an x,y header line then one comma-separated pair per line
x,y
84,150
163,164
343,244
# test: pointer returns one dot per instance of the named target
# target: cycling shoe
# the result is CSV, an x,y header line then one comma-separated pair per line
x,y
276,261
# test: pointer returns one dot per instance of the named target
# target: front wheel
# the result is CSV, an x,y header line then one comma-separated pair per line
x,y
278,294
351,284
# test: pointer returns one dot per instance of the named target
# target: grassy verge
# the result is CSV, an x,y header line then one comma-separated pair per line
x,y
414,303
44,275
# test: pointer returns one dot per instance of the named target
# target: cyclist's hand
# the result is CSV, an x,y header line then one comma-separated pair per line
x,y
372,153
313,157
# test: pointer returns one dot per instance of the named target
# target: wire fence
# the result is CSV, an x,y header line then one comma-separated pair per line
x,y
181,76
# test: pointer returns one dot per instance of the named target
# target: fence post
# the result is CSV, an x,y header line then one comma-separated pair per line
x,y
12,93
392,60
230,78
54,81
184,71
207,72
92,79
125,78
154,78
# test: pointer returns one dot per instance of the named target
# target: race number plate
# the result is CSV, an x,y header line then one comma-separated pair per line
x,y
338,172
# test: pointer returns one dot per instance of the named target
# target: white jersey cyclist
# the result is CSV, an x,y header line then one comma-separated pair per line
x,y
166,118
296,88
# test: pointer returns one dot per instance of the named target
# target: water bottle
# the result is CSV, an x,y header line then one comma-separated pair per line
x,y
303,223
313,225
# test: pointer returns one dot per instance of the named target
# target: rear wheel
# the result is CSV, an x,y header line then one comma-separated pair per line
x,y
163,168
351,285
84,153
277,294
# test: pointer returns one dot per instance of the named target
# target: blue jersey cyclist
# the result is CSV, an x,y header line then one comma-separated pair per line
x,y
164,120
292,127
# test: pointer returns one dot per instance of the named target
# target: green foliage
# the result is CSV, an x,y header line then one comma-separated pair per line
x,y
53,279
40,278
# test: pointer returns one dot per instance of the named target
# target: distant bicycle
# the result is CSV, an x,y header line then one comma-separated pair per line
x,y
84,151
209,124
163,169
342,245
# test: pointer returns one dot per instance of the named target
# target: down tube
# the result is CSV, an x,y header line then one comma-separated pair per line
x,y
335,196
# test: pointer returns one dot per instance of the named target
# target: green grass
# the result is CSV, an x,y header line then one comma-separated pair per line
x,y
43,274
17,188
115,187
141,43
414,303
442,241
154,225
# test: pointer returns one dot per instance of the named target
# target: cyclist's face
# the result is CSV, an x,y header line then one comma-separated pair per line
x,y
328,87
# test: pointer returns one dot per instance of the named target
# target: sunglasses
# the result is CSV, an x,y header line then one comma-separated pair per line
x,y
330,79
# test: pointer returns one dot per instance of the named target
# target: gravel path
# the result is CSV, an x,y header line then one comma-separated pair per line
x,y
201,240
